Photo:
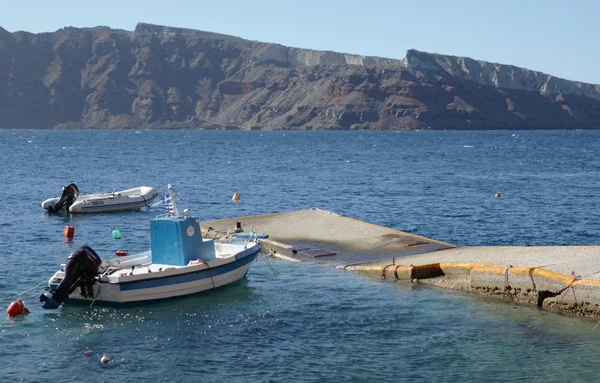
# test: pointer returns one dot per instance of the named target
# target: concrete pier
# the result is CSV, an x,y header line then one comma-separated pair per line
x,y
565,278
323,236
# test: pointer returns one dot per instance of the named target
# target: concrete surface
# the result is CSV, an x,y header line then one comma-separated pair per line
x,y
308,235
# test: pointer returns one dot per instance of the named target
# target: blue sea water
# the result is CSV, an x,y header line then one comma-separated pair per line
x,y
301,322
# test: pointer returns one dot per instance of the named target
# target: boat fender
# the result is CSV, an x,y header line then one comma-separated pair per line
x,y
17,308
121,253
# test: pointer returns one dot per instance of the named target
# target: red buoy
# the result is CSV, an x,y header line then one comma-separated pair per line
x,y
498,195
121,253
16,308
69,231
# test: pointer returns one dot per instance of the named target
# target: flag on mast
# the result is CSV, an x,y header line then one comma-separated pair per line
x,y
165,203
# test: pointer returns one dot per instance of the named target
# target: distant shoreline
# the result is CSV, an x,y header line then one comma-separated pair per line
x,y
160,77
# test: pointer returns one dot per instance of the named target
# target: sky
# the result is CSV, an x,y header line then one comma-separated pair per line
x,y
557,37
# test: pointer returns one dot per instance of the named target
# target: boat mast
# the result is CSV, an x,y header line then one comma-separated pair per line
x,y
175,211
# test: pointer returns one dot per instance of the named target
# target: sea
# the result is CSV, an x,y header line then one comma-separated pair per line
x,y
300,322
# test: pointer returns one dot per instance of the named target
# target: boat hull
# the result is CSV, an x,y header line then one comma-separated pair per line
x,y
172,283
130,199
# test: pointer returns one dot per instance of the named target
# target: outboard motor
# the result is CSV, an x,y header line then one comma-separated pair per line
x,y
69,194
81,269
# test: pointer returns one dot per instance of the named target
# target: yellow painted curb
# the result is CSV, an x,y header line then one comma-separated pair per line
x,y
539,272
462,268
402,272
365,267
586,282
522,270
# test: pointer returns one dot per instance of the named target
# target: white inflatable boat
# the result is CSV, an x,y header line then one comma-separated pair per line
x,y
74,202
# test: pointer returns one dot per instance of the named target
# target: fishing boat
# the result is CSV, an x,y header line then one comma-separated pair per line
x,y
180,262
74,202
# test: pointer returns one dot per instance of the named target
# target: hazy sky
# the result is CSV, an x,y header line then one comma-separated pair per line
x,y
558,37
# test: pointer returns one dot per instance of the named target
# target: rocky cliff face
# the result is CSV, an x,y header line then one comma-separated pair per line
x,y
162,77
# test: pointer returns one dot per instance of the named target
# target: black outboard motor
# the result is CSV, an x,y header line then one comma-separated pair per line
x,y
69,194
81,269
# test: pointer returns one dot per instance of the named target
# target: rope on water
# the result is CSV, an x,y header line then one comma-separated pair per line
x,y
275,272
98,293
17,296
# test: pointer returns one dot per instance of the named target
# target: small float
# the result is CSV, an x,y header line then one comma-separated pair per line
x,y
74,202
180,262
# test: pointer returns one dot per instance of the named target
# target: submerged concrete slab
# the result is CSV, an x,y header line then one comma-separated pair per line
x,y
323,236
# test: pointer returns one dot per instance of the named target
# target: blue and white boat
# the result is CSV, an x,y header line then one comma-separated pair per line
x,y
180,262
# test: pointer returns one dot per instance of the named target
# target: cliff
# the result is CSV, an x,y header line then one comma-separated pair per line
x,y
163,77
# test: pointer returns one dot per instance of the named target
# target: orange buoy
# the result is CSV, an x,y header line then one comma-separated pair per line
x,y
236,196
121,253
498,195
69,231
16,308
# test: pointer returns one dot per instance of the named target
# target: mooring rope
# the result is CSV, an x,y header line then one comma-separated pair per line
x,y
209,272
98,293
386,266
564,293
275,272
17,296
506,280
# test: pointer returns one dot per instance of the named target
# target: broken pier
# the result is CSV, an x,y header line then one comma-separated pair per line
x,y
565,278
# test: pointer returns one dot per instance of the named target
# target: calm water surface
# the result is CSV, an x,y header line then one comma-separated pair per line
x,y
301,322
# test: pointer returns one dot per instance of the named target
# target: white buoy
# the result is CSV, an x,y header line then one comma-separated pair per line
x,y
104,359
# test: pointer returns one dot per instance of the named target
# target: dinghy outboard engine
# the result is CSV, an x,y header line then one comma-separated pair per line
x,y
69,194
81,269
